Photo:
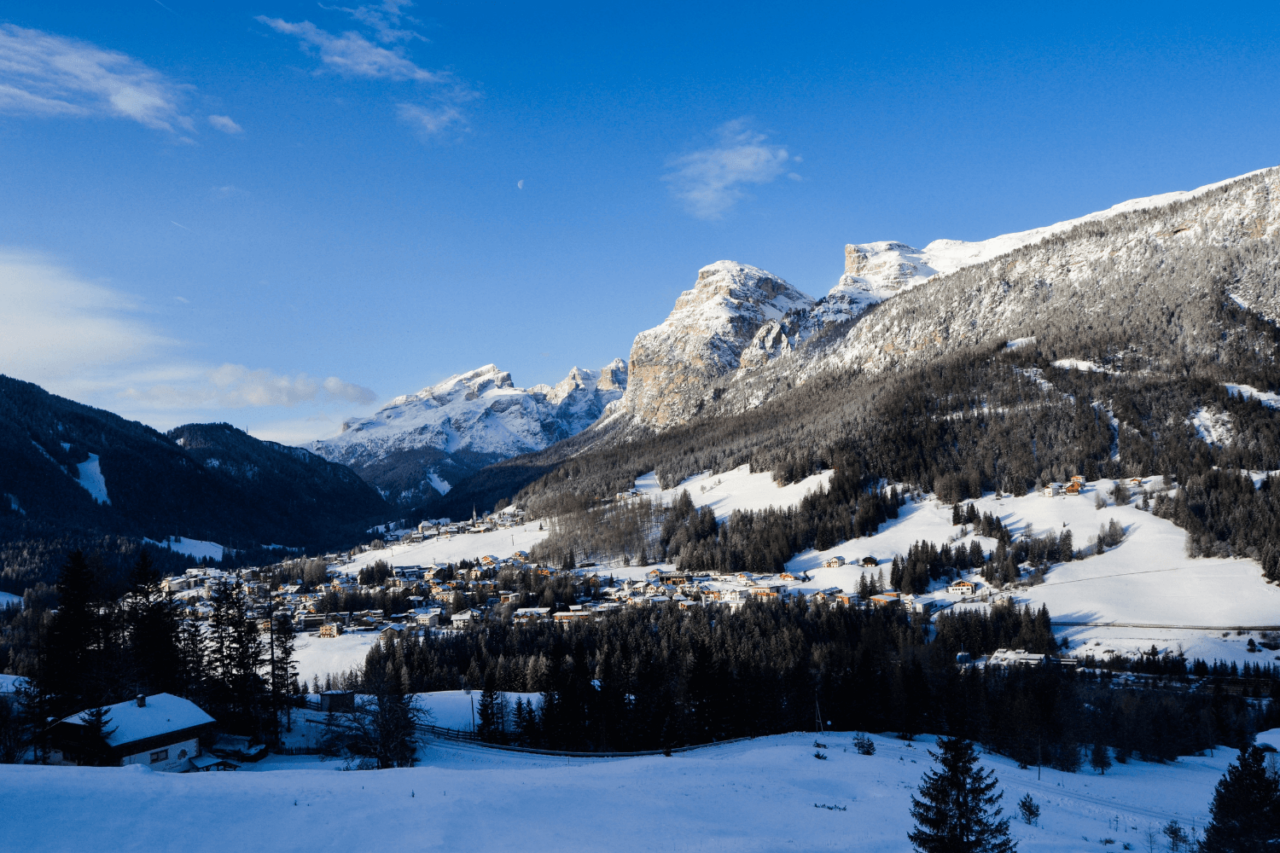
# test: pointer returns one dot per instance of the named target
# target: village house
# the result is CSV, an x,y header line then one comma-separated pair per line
x,y
870,562
833,563
531,614
161,732
885,599
962,588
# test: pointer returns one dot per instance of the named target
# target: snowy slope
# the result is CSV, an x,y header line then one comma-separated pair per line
x,y
1145,591
738,489
419,444
762,795
92,480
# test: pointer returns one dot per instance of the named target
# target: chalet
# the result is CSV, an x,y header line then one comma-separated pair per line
x,y
531,614
1005,657
1078,479
870,561
833,563
767,591
161,732
885,599
1073,488
522,556
1052,490
847,599
564,617
427,617
330,631
962,588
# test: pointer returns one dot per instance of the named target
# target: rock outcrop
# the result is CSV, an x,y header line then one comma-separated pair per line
x,y
712,328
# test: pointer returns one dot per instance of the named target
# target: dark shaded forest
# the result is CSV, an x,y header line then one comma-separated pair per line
x,y
664,677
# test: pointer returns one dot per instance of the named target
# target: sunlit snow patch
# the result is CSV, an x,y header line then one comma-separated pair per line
x,y
1268,399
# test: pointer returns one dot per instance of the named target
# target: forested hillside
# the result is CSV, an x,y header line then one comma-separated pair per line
x,y
73,475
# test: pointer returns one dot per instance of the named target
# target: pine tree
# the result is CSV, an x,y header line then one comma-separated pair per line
x,y
958,810
1100,758
1245,812
96,751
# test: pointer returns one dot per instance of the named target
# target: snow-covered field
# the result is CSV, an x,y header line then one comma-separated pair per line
x,y
763,795
738,489
451,549
8,599
1146,589
315,656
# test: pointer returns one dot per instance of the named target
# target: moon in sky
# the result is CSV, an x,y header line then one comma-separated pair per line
x,y
520,184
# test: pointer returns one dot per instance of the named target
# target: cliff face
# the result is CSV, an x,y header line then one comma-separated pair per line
x,y
705,338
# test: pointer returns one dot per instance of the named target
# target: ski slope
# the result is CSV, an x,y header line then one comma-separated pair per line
x,y
767,794
738,489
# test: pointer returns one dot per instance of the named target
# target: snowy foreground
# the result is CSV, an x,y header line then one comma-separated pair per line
x,y
757,795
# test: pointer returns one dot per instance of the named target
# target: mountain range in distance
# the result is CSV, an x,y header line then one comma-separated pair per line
x,y
1147,285
742,336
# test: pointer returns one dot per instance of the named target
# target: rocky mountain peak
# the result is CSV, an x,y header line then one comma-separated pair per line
x,y
703,339
417,444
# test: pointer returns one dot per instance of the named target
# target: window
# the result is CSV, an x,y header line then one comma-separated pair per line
x,y
159,755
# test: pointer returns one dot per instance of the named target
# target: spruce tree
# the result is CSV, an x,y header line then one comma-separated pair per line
x,y
1245,813
1100,758
958,810
96,748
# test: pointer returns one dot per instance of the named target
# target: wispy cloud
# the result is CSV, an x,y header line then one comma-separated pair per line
x,y
385,20
225,124
711,180
382,56
429,121
234,386
92,343
48,75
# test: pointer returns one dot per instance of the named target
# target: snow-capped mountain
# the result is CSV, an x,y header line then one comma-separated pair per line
x,y
743,335
418,444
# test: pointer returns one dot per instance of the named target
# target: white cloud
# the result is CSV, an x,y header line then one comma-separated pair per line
x,y
234,386
429,121
352,54
711,180
93,344
384,19
225,124
48,75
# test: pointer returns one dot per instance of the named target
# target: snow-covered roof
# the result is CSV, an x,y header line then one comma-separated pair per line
x,y
163,713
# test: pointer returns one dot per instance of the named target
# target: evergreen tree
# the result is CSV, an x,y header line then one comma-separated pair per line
x,y
1245,812
1100,758
492,712
282,675
96,751
958,810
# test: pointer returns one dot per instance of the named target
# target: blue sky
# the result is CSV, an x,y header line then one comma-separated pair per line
x,y
280,214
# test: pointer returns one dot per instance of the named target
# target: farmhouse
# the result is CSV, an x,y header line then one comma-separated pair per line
x,y
962,588
833,563
161,732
